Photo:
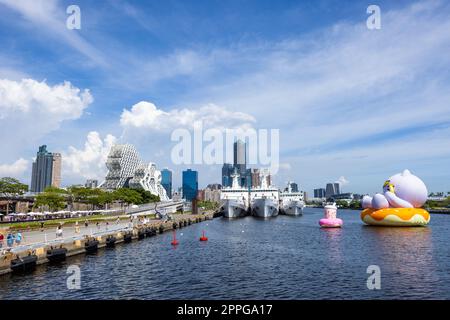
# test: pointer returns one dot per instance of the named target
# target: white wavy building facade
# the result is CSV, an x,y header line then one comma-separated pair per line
x,y
125,169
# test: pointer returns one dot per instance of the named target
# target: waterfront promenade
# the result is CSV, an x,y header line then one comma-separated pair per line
x,y
38,242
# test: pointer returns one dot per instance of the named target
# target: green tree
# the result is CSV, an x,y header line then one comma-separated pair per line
x,y
342,204
11,188
50,198
147,196
355,204
127,196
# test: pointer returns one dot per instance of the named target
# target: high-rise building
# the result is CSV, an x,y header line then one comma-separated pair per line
x,y
122,161
91,184
256,180
227,170
240,157
56,170
331,189
319,193
166,181
125,169
337,189
294,187
190,184
46,170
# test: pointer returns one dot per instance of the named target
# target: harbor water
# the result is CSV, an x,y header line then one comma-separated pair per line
x,y
280,258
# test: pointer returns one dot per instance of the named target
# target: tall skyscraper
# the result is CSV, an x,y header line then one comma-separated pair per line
x,y
337,189
190,184
46,170
319,193
240,157
294,186
91,183
166,181
331,189
227,170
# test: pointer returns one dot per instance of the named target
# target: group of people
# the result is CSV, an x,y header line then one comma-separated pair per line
x,y
12,238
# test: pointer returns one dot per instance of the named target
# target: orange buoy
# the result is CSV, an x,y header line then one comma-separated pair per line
x,y
203,238
174,241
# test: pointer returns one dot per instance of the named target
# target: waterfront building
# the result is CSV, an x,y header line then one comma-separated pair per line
x,y
343,196
319,193
331,189
126,170
46,170
166,181
122,161
337,188
91,184
190,184
240,157
147,177
294,187
201,195
211,194
256,181
227,170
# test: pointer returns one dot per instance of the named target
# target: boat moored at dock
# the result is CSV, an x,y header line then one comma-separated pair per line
x,y
291,201
235,199
265,199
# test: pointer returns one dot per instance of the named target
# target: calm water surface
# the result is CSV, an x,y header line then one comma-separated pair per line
x,y
281,258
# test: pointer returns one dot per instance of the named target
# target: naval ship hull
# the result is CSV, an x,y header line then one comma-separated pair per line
x,y
264,208
294,208
233,209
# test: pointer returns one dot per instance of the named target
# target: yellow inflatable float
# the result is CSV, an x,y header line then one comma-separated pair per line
x,y
398,217
400,204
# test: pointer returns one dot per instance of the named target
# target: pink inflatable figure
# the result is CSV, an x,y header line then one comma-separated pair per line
x,y
330,220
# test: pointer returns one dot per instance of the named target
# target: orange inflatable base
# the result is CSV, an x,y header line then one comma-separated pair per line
x,y
396,217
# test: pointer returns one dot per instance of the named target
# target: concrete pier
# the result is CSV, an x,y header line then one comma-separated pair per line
x,y
76,244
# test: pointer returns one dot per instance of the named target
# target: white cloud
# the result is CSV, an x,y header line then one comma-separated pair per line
x,y
29,109
61,101
342,181
88,163
145,115
49,16
15,169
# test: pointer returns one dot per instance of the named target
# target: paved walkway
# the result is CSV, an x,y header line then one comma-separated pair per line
x,y
49,234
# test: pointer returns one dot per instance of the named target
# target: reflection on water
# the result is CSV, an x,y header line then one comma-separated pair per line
x,y
281,258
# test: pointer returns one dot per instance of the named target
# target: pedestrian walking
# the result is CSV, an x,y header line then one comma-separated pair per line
x,y
117,220
86,223
2,238
19,238
59,232
77,227
98,225
107,224
42,226
10,239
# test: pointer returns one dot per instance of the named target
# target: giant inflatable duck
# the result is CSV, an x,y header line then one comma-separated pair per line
x,y
401,203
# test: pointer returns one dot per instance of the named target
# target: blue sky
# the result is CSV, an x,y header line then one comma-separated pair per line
x,y
349,102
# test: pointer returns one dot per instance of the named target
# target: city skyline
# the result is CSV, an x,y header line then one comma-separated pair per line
x,y
356,111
